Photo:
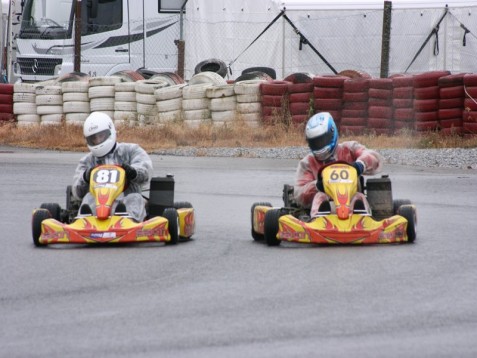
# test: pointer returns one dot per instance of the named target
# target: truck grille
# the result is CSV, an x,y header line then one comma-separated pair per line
x,y
38,66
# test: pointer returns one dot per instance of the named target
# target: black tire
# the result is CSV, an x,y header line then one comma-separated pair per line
x,y
173,218
268,70
256,75
397,204
38,216
409,213
256,236
211,65
271,227
54,209
182,205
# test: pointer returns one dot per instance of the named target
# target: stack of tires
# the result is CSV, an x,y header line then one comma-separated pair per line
x,y
426,100
75,101
470,103
24,104
169,103
125,104
6,102
328,95
195,105
451,103
49,104
249,102
101,94
146,100
300,97
380,111
403,102
275,106
222,104
354,116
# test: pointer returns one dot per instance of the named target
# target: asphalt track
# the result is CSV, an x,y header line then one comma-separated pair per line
x,y
224,295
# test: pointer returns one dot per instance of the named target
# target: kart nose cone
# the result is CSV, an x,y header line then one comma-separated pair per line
x,y
103,211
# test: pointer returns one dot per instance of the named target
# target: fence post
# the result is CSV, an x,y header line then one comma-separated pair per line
x,y
77,62
180,57
386,39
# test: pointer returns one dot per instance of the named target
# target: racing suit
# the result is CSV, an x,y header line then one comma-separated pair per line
x,y
123,153
305,191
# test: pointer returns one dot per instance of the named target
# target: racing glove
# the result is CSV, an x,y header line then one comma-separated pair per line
x,y
359,166
131,173
319,184
87,174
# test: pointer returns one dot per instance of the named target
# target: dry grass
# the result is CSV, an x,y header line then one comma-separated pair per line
x,y
174,135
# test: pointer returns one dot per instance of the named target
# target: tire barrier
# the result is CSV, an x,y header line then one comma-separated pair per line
x,y
380,111
275,102
354,114
328,95
451,102
469,116
6,103
249,102
76,101
403,102
125,103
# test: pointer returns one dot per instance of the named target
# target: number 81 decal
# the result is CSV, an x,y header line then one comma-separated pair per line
x,y
106,176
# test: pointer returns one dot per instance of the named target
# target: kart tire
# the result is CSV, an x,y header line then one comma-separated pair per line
x,y
38,216
257,236
173,218
271,227
182,205
397,204
54,209
409,213
268,70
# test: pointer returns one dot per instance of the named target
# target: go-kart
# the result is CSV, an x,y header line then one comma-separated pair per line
x,y
166,221
358,212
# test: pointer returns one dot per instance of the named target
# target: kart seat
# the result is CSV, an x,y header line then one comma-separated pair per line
x,y
120,209
85,210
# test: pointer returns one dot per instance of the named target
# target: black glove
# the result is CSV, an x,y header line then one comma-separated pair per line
x,y
359,167
319,184
131,173
87,174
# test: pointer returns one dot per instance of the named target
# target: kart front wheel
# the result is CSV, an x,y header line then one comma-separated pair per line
x,y
38,216
257,236
173,218
409,213
271,227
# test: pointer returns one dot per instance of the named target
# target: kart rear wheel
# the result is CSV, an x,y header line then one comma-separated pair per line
x,y
182,205
38,216
54,209
257,236
397,204
173,218
409,213
271,227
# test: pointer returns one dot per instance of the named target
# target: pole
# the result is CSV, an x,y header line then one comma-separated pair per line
x,y
77,63
386,39
9,41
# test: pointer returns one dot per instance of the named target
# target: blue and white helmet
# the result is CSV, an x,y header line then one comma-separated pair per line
x,y
322,135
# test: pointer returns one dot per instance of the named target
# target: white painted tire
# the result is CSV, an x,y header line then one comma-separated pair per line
x,y
76,107
247,98
145,98
195,123
171,116
51,90
25,97
146,109
75,97
101,104
104,81
24,108
28,118
169,105
223,104
199,114
207,77
125,87
195,103
125,106
195,91
101,92
76,118
220,91
125,116
248,87
250,117
24,87
148,87
48,99
170,92
45,110
223,116
75,86
250,107
51,119
129,96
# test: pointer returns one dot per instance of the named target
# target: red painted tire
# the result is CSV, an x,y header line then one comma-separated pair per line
x,y
327,104
352,130
6,108
425,105
470,127
451,80
429,79
299,77
380,93
354,74
300,87
381,83
328,92
403,81
469,116
403,114
431,92
426,126
452,92
380,102
353,121
380,123
355,96
451,122
380,112
426,116
381,131
6,99
6,88
355,105
470,104
470,79
354,113
299,118
470,92
273,101
403,102
300,108
453,131
7,117
403,92
451,103
272,111
398,125
300,97
329,81
274,88
449,113
356,85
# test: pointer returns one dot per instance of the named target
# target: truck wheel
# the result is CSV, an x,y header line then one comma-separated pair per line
x,y
54,209
171,215
271,227
257,236
409,213
38,216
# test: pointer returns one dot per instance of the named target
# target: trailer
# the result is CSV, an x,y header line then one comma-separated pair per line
x,y
116,35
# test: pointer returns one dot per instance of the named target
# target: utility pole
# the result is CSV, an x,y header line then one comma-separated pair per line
x,y
77,62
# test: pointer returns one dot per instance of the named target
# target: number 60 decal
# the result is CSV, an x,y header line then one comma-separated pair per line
x,y
337,175
105,176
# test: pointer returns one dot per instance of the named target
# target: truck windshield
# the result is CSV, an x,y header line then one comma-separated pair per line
x,y
47,19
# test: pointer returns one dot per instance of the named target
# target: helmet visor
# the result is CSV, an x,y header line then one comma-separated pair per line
x,y
318,143
98,138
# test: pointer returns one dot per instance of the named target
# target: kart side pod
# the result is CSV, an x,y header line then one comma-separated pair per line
x,y
161,195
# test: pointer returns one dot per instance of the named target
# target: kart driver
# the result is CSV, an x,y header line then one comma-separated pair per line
x,y
322,137
100,135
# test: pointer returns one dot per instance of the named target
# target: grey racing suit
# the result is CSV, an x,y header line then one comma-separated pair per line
x,y
123,153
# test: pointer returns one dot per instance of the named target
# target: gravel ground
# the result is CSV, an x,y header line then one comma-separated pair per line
x,y
430,158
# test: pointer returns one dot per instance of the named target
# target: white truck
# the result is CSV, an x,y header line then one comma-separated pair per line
x,y
116,35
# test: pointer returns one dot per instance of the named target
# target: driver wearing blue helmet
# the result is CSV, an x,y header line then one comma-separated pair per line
x,y
322,137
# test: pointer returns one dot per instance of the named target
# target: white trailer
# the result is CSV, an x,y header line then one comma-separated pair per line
x,y
116,35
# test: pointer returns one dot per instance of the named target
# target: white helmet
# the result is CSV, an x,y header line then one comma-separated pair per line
x,y
100,134
322,135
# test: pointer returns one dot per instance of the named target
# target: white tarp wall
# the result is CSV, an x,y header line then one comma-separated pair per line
x,y
348,34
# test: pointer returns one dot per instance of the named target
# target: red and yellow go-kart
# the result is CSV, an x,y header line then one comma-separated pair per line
x,y
166,221
345,220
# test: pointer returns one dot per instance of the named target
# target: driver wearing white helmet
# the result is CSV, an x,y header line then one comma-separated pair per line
x,y
100,135
322,137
